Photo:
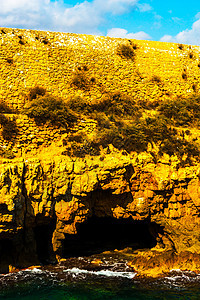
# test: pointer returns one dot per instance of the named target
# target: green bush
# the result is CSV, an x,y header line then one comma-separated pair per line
x,y
82,149
156,79
191,55
151,130
182,111
117,104
78,104
132,137
180,46
80,80
36,92
103,121
45,41
9,127
133,45
78,138
126,51
178,146
148,103
109,136
136,136
21,40
48,108
194,87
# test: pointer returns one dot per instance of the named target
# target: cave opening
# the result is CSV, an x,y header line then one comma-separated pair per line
x,y
7,254
43,238
97,235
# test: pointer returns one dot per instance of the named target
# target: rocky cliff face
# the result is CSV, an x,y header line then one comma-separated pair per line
x,y
43,201
136,180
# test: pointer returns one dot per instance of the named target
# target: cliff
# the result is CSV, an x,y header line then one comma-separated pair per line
x,y
116,153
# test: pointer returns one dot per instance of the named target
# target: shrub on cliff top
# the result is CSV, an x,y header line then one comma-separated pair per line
x,y
126,51
48,108
180,46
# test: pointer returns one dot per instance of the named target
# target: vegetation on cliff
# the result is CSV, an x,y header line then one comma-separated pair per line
x,y
121,121
44,107
119,89
182,111
127,50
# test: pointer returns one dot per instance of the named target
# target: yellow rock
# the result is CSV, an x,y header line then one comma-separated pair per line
x,y
42,185
96,261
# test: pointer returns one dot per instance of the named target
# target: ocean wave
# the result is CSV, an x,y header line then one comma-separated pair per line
x,y
108,273
180,279
34,270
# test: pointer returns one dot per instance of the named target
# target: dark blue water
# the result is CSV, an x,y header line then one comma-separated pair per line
x,y
60,283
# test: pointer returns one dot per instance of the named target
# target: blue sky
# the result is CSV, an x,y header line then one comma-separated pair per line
x,y
169,21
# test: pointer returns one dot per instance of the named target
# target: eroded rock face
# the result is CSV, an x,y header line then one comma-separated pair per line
x,y
44,200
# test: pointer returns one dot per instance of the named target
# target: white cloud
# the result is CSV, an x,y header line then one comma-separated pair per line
x,y
84,17
79,18
157,17
167,38
8,6
176,19
123,33
25,13
197,15
187,36
144,7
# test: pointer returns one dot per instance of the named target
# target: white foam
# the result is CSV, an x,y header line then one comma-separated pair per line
x,y
34,270
176,270
107,273
174,278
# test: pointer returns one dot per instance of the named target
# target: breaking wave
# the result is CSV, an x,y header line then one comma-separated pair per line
x,y
107,273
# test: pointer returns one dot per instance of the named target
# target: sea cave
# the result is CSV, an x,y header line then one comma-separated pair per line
x,y
98,234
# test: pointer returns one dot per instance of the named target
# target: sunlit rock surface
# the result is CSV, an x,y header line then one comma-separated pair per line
x,y
46,195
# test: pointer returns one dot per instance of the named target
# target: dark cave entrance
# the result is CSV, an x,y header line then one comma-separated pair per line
x,y
7,254
97,235
6,250
43,237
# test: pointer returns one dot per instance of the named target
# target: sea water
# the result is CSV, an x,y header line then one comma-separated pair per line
x,y
59,282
